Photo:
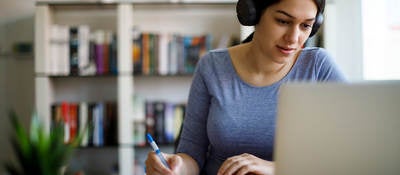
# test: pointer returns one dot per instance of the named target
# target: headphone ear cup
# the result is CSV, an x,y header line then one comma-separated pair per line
x,y
317,24
246,12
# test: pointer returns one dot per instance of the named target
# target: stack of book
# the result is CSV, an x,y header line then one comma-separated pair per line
x,y
75,50
167,54
97,122
161,119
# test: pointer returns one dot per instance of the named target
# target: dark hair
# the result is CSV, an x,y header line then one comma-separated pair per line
x,y
261,5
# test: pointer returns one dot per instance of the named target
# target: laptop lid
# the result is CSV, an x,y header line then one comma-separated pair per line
x,y
332,129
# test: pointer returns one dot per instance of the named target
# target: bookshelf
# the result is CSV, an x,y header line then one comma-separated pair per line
x,y
185,17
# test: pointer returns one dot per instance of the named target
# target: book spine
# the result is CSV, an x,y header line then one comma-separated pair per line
x,y
106,52
150,118
169,123
83,49
99,53
137,52
73,122
163,54
110,124
83,123
55,47
145,53
66,118
113,55
159,115
63,56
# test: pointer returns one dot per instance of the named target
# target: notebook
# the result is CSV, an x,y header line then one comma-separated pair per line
x,y
338,129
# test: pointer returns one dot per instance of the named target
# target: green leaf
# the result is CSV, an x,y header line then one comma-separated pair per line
x,y
35,125
38,152
21,134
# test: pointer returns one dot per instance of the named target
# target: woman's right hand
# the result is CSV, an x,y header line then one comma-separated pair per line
x,y
154,165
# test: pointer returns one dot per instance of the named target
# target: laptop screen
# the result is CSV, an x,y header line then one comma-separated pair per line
x,y
346,129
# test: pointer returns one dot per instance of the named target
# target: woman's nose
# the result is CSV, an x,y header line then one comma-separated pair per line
x,y
292,35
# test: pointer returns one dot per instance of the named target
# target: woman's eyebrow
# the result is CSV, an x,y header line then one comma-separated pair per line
x,y
291,16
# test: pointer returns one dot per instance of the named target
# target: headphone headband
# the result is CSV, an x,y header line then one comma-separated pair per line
x,y
248,15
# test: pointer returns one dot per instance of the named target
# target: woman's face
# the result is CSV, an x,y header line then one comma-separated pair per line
x,y
284,27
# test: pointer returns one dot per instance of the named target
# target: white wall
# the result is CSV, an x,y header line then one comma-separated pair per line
x,y
4,127
381,38
343,36
3,119
16,80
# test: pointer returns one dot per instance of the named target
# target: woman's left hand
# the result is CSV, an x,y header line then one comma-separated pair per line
x,y
246,164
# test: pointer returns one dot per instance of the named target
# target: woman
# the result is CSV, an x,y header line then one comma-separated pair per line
x,y
230,120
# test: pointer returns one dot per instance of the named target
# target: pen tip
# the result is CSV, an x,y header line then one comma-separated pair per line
x,y
149,138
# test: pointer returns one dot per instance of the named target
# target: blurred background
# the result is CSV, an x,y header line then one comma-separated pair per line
x,y
363,36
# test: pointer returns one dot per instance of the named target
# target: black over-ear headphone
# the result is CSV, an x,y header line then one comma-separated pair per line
x,y
249,15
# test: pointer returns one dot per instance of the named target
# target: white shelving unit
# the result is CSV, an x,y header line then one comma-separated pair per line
x,y
184,17
115,17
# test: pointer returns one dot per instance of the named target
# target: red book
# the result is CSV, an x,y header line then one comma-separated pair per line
x,y
73,121
65,116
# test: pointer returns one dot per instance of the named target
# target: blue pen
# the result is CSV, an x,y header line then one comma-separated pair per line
x,y
157,150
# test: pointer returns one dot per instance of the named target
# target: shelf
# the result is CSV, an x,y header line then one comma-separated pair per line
x,y
120,18
75,2
133,2
16,56
113,76
168,75
76,76
105,147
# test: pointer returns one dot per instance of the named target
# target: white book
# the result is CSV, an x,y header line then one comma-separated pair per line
x,y
173,55
178,120
83,49
99,36
63,56
163,54
138,108
91,68
108,36
83,123
169,123
52,63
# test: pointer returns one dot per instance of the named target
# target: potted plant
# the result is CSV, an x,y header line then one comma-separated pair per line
x,y
38,152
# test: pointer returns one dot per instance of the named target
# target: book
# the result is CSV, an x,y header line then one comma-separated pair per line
x,y
84,123
159,116
65,115
73,122
113,55
91,120
110,124
162,68
59,61
83,49
169,127
150,118
145,53
137,51
106,52
98,119
73,51
99,51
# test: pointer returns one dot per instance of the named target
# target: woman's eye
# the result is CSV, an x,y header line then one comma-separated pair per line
x,y
280,21
307,26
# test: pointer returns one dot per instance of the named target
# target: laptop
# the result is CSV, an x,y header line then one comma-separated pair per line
x,y
338,129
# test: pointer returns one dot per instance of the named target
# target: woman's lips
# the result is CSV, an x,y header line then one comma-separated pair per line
x,y
286,50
